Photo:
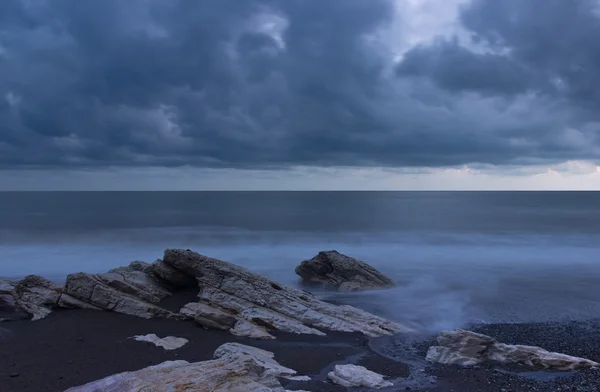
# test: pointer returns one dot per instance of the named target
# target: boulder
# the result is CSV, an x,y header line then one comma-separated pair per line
x,y
468,348
209,316
357,376
236,368
334,270
104,291
36,296
267,304
136,282
168,343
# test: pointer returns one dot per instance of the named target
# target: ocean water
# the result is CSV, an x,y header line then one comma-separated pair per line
x,y
458,257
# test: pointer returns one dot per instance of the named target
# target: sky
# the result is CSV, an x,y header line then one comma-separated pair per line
x,y
299,94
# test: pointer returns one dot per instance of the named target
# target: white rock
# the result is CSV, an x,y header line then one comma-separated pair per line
x,y
36,295
357,376
270,305
168,343
250,330
298,378
468,348
94,290
237,368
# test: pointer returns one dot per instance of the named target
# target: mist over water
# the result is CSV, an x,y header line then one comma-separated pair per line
x,y
457,257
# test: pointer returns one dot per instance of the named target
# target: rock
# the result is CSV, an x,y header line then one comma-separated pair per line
x,y
172,276
340,272
250,330
168,343
269,305
357,376
209,316
135,282
468,348
36,296
6,286
236,368
95,290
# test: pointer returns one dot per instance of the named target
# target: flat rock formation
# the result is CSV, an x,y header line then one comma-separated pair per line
x,y
230,298
468,348
334,270
168,343
236,368
357,376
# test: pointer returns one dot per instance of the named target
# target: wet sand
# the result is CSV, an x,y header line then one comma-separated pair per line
x,y
73,347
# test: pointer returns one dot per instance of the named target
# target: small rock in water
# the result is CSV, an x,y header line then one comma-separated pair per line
x,y
15,375
168,343
357,376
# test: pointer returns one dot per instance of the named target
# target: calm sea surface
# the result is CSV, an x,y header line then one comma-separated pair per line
x,y
457,256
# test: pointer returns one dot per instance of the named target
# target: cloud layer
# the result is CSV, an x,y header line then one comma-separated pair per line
x,y
280,83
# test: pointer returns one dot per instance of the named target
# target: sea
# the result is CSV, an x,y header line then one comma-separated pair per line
x,y
457,257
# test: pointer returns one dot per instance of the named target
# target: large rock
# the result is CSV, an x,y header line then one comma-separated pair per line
x,y
113,292
334,270
236,368
468,348
357,376
36,296
267,304
136,282
171,276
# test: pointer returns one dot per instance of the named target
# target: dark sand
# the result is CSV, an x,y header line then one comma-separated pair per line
x,y
73,347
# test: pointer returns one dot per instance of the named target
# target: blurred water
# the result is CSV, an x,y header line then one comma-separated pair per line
x,y
457,257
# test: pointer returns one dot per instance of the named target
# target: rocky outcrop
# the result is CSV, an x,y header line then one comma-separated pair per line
x,y
168,343
468,348
357,376
230,298
112,291
236,368
334,270
260,301
36,296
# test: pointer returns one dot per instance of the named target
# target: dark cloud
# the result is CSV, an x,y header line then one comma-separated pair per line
x,y
272,83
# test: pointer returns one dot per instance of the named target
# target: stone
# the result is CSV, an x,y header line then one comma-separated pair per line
x,y
209,316
357,376
250,330
94,290
268,304
135,282
334,270
236,368
171,276
168,343
36,296
7,301
466,348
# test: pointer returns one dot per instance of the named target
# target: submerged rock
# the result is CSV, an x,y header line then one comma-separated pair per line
x,y
340,272
236,368
468,348
267,304
168,343
357,376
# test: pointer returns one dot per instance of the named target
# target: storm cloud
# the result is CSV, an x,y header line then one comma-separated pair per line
x,y
261,84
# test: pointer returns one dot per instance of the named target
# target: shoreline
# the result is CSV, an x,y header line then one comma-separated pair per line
x,y
73,347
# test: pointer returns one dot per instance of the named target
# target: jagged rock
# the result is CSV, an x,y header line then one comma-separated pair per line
x,y
340,272
357,376
236,368
267,304
95,290
36,295
135,282
168,343
172,276
468,348
209,316
250,330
